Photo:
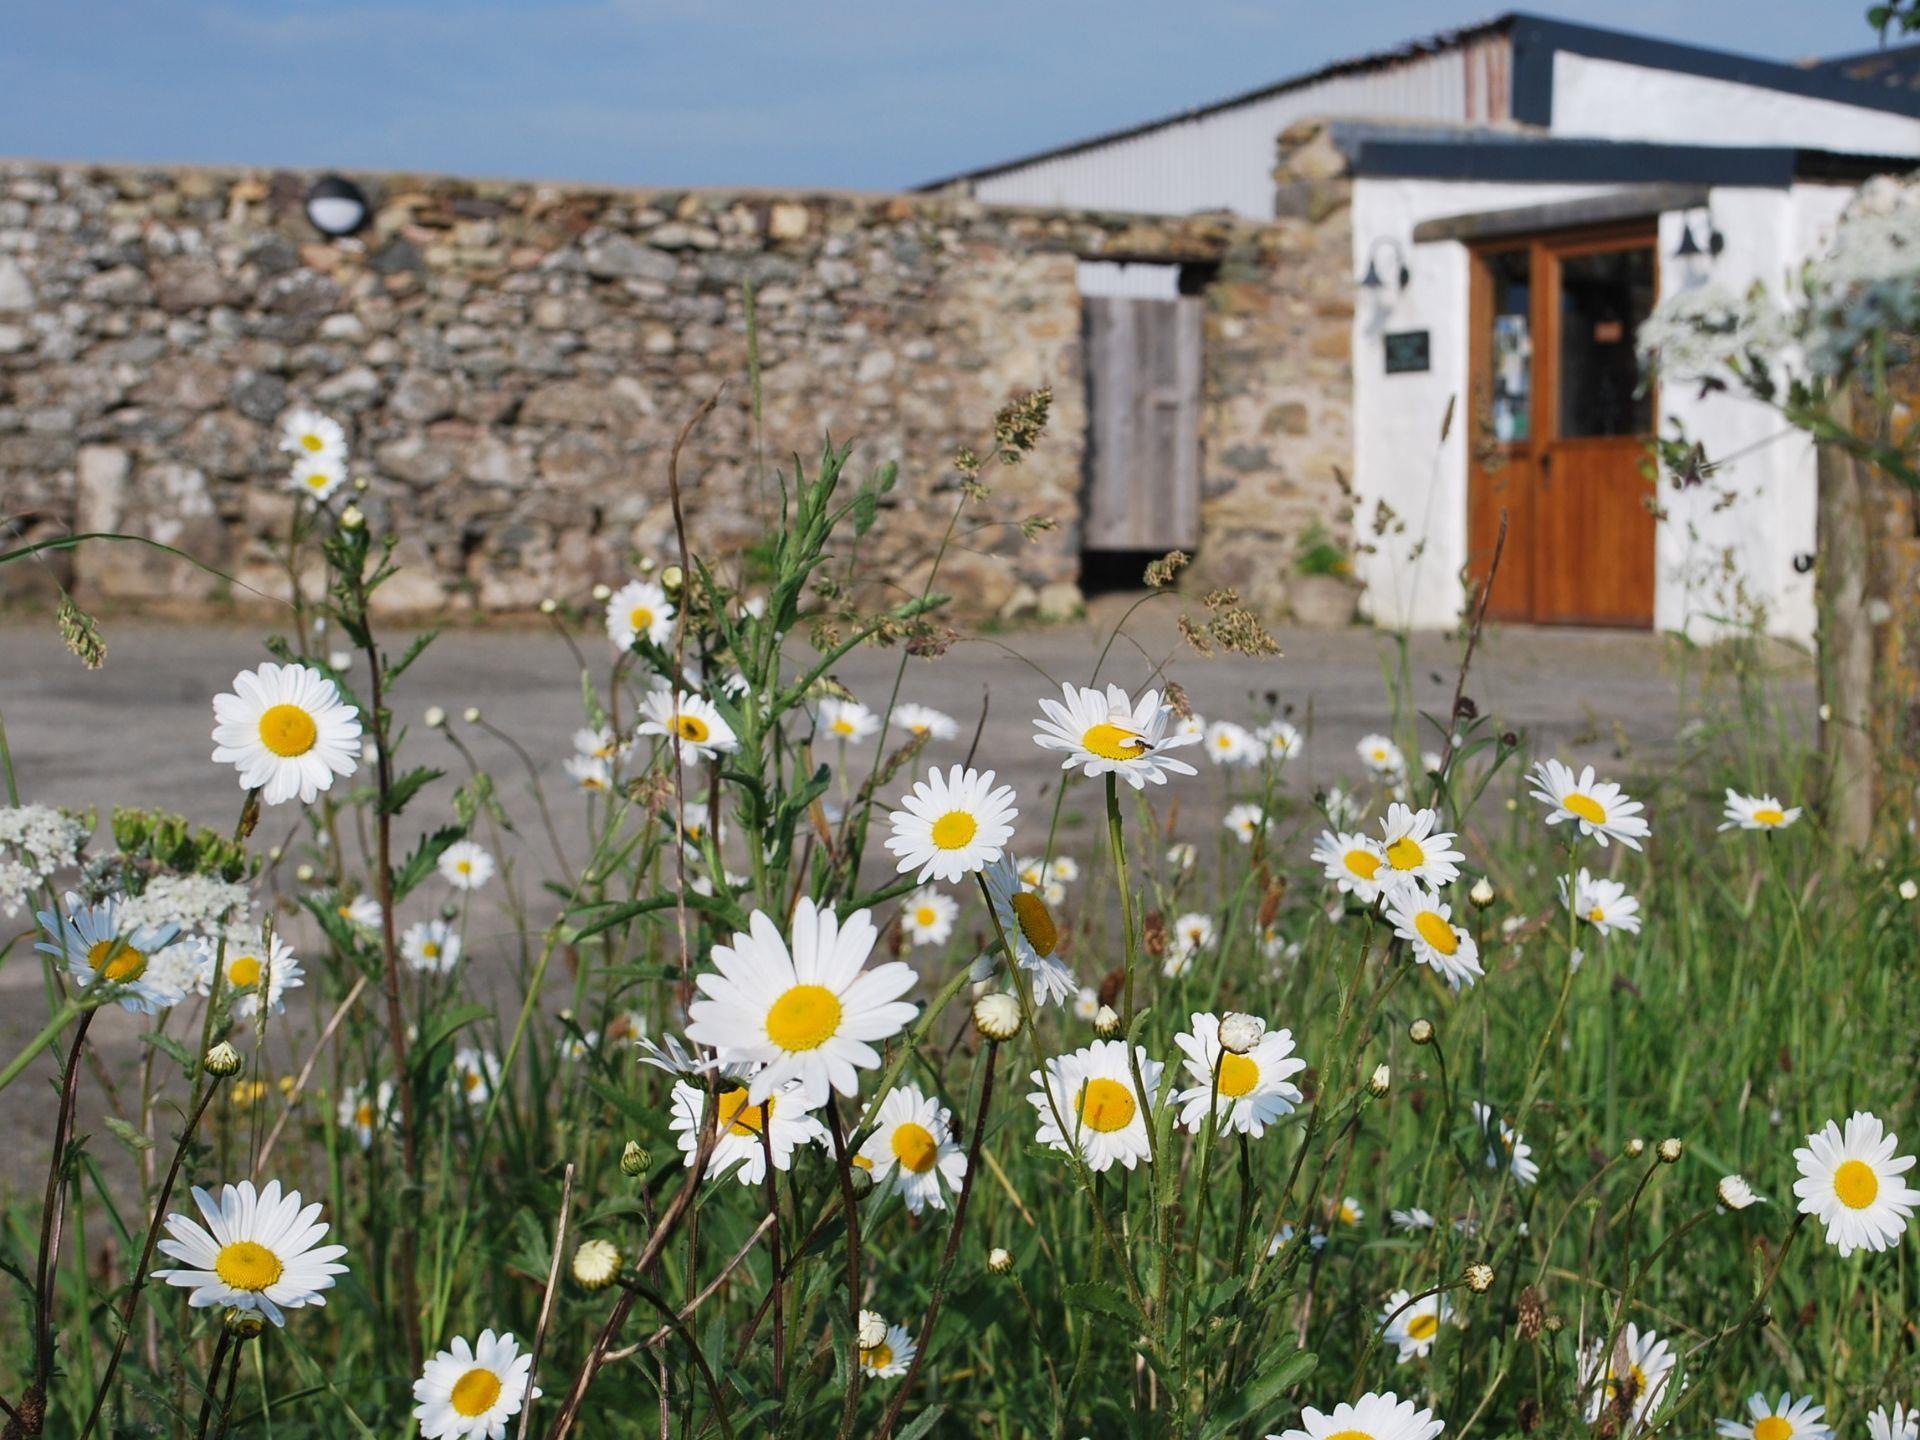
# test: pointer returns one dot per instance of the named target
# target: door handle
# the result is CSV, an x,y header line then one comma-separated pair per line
x,y
1546,468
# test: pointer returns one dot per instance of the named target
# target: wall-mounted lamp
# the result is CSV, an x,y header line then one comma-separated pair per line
x,y
336,206
1690,247
1398,259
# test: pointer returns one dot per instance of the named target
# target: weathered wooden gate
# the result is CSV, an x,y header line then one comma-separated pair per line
x,y
1143,403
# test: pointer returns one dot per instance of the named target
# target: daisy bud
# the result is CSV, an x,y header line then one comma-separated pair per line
x,y
362,484
304,874
1000,1261
873,1329
222,1060
603,593
351,518
634,1160
1240,1033
549,605
1735,1193
471,714
1826,714
596,1264
274,852
860,1181
1421,1032
997,1016
1479,1278
672,578
647,564
1670,1150
1482,892
340,659
1909,889
1636,1147
243,1324
436,718
1380,1081
1106,1022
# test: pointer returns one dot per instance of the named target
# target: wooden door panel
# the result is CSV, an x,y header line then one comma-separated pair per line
x,y
1595,535
1143,391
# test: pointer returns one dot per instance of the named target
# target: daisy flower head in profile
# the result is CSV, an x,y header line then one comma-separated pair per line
x,y
256,1251
927,915
845,721
362,912
472,1389
913,1143
700,730
308,435
1602,903
1899,1423
1247,1091
1788,1418
431,947
744,1130
889,1357
287,731
601,743
1505,1145
257,969
1412,1328
318,476
591,774
1230,744
1093,1093
639,610
476,1074
1381,756
1850,1181
1415,848
364,1111
1412,1218
98,947
810,1013
1349,1211
1756,812
1032,931
1279,739
1421,918
924,720
465,865
1633,1377
1110,734
1352,862
1244,822
952,825
1596,808
1086,1004
1372,1417
1191,933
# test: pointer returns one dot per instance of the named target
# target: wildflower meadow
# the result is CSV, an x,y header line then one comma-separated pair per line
x,y
845,1090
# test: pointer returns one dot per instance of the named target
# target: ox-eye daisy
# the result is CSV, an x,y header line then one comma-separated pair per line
x,y
1505,1145
1602,903
432,947
308,435
744,1132
924,720
1757,812
1352,862
1851,1182
928,915
287,731
1230,744
1032,931
1251,1091
1421,918
317,475
465,865
914,1143
1110,734
700,728
1280,739
1411,1219
1413,1329
96,946
1371,1417
365,1111
476,1074
953,825
1381,756
639,610
255,1252
1634,1375
472,1390
1415,848
847,721
1789,1418
592,774
1093,1091
890,1358
1597,807
1245,822
806,1014
1898,1424
257,968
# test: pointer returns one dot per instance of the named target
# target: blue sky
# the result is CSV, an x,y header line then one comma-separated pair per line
x,y
672,92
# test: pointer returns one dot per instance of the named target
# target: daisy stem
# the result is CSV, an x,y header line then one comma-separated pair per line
x,y
1374,1332
850,1406
52,1212
1117,844
220,1349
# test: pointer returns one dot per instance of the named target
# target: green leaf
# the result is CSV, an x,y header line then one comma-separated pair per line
x,y
409,785
1261,1394
167,1045
923,1422
127,1135
420,643
1103,1299
419,865
446,1025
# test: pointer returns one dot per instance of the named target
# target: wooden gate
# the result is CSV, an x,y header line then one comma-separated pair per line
x,y
1143,404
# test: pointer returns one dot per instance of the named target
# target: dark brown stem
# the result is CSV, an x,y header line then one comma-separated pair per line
x,y
220,1349
773,1243
53,1211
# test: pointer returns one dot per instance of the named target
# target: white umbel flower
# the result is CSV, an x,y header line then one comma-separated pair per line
x,y
1638,1369
287,731
308,435
1421,918
1756,812
924,720
846,721
889,1359
1850,1182
1788,1418
1602,903
812,1013
639,610
1505,1145
1598,808
745,1131
953,825
97,947
927,916
1109,733
1352,862
1381,756
703,732
1029,925
1371,1417
1413,1330
257,969
1093,1090
431,947
257,1251
1415,848
1253,1088
914,1144
472,1390
465,865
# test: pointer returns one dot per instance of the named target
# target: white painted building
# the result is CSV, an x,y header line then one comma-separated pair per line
x,y
1524,191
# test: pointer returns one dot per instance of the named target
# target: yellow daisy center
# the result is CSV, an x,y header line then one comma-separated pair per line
x,y
1773,1427
470,1080
843,726
475,1392
430,949
1238,1076
1035,923
692,727
122,963
863,1162
465,867
318,480
247,1265
1110,742
954,830
640,618
1436,931
1106,1105
804,1018
1769,816
926,915
1636,1384
1596,914
1351,1435
287,731
739,1118
1586,807
245,972
914,1146
363,1115
1406,854
1856,1184
878,1357
1423,1326
312,443
1363,863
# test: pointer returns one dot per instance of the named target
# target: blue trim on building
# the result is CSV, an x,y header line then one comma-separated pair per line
x,y
1608,162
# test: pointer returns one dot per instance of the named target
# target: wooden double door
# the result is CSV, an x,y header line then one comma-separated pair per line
x,y
1560,422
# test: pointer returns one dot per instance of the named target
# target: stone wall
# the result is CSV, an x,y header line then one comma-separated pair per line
x,y
513,362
